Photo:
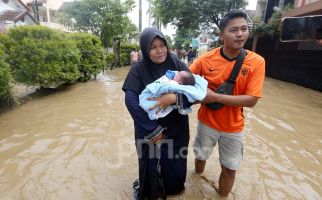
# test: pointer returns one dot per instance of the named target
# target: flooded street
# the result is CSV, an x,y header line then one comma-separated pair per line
x,y
78,143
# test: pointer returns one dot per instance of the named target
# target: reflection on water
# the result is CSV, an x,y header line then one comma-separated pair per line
x,y
78,144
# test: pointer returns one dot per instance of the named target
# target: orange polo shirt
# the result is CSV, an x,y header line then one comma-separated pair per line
x,y
215,68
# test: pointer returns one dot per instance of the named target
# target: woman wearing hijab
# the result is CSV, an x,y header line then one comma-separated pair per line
x,y
161,144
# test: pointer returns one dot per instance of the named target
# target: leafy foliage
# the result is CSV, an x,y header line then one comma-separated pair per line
x,y
5,41
109,58
272,27
103,18
153,13
125,59
183,38
191,17
169,40
43,57
127,47
126,51
194,14
92,55
5,78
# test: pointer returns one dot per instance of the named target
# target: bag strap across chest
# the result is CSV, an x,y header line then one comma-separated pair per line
x,y
239,61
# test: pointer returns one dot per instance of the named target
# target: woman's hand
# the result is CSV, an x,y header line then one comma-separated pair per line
x,y
157,138
163,101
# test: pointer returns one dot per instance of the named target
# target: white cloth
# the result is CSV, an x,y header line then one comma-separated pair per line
x,y
165,85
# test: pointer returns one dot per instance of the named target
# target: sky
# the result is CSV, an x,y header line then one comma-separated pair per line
x,y
169,30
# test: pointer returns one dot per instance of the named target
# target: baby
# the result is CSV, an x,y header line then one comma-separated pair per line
x,y
193,86
181,78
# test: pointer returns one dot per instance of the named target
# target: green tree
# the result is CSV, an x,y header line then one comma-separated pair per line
x,y
169,40
194,14
153,14
184,37
131,33
104,18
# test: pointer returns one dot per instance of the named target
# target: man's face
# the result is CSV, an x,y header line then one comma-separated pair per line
x,y
235,34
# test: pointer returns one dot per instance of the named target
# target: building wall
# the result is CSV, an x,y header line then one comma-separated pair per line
x,y
295,62
26,21
260,8
11,22
52,4
301,3
47,10
304,8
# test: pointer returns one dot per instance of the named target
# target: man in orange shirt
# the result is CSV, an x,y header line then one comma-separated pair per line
x,y
226,124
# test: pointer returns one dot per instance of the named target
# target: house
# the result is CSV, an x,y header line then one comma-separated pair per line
x,y
305,7
7,15
29,12
14,13
265,8
299,61
45,12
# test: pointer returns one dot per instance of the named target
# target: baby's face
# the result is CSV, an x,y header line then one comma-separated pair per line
x,y
178,77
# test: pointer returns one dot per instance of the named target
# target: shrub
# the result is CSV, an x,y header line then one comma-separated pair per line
x,y
43,57
5,78
92,55
125,58
127,47
126,52
5,41
109,57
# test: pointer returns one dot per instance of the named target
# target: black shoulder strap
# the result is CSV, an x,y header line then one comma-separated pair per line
x,y
239,61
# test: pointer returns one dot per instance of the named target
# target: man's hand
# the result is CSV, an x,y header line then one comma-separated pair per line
x,y
163,101
231,100
210,96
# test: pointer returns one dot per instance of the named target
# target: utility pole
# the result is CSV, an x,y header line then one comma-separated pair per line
x,y
140,16
149,13
117,46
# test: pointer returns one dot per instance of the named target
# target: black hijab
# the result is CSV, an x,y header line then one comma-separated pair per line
x,y
144,72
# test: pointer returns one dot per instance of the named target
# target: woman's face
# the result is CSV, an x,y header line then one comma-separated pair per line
x,y
158,51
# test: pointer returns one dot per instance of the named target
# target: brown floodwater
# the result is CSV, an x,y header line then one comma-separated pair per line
x,y
78,143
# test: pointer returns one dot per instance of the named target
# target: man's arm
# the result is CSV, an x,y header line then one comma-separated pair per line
x,y
231,100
